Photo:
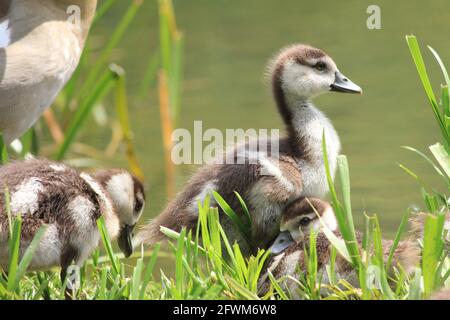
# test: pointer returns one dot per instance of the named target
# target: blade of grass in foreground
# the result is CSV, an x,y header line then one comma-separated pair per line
x,y
441,65
179,270
401,229
343,213
421,69
344,218
108,246
14,252
442,156
149,270
116,36
3,151
243,228
28,255
150,75
432,251
379,261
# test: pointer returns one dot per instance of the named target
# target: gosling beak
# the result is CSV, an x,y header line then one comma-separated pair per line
x,y
343,84
281,243
125,240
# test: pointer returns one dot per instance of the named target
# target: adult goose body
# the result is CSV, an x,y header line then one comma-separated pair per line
x,y
266,181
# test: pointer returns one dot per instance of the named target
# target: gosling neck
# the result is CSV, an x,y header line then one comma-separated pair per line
x,y
292,110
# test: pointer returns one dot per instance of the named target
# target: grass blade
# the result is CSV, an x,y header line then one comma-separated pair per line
x,y
3,151
124,119
401,229
108,246
422,71
84,110
14,253
29,252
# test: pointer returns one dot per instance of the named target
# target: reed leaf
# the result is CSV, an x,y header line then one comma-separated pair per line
x,y
422,71
84,110
122,111
118,33
108,246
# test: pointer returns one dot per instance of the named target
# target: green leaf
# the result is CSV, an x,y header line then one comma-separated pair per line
x,y
442,157
122,110
401,229
84,110
248,221
29,252
243,228
149,270
422,71
179,271
445,101
118,33
379,261
14,253
432,252
421,154
3,151
276,286
136,279
108,246
441,65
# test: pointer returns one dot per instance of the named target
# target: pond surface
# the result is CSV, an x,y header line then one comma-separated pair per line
x,y
227,46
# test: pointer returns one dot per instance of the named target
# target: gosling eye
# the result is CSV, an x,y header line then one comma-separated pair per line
x,y
320,66
138,204
304,221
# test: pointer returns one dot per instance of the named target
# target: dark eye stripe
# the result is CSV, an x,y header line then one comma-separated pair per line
x,y
305,221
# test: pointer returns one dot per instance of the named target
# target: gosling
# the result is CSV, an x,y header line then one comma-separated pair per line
x,y
40,47
289,247
69,202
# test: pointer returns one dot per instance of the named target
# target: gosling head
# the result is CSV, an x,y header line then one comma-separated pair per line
x,y
299,218
128,197
302,71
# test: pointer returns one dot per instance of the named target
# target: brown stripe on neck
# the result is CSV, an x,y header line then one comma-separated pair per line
x,y
297,142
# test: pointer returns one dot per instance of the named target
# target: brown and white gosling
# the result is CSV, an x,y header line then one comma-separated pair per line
x,y
289,247
267,182
40,46
69,202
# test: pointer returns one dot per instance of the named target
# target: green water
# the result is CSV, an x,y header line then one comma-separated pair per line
x,y
227,46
